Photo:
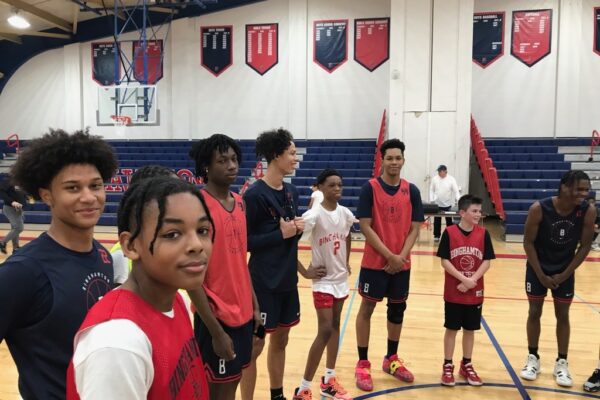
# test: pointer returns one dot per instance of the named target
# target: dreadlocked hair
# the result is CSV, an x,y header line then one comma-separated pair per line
x,y
139,195
151,171
273,143
202,152
43,158
570,178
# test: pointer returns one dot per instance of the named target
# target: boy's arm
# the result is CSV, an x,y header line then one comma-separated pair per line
x,y
348,250
257,240
451,269
222,343
410,241
373,239
483,268
532,226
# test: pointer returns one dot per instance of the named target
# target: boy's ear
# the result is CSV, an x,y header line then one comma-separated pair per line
x,y
46,196
128,246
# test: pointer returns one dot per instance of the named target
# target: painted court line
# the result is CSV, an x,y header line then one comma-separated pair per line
x,y
347,317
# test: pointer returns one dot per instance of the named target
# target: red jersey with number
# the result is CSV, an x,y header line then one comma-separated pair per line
x,y
466,254
227,283
178,368
391,219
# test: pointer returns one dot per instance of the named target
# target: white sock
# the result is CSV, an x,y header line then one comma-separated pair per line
x,y
304,384
329,373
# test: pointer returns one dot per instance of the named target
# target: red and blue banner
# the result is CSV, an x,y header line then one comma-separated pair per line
x,y
330,43
262,51
106,68
488,37
531,35
597,30
154,61
371,42
216,52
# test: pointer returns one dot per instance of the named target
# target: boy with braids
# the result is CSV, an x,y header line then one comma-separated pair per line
x,y
558,237
47,287
273,232
227,308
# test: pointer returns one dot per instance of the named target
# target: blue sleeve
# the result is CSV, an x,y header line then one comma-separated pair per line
x,y
417,204
24,292
365,202
255,214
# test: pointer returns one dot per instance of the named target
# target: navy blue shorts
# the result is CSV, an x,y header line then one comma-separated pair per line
x,y
217,369
375,284
466,316
278,309
536,291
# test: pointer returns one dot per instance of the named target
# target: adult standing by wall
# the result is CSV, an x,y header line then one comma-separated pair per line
x,y
444,192
14,199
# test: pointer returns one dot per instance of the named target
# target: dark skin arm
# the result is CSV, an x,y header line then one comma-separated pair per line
x,y
532,225
348,249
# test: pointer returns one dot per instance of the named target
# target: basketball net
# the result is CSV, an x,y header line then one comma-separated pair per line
x,y
595,142
120,123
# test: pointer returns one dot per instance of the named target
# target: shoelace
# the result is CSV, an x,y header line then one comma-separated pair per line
x,y
448,371
470,371
337,387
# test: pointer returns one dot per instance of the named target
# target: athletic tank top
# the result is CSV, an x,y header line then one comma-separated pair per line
x,y
558,236
178,367
466,254
391,220
227,281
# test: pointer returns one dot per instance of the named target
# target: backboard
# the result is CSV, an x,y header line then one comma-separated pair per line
x,y
136,102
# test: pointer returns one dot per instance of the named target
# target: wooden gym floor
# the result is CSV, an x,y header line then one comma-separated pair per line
x,y
500,346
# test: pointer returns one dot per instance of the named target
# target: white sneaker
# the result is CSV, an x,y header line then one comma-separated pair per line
x,y
531,369
596,247
561,372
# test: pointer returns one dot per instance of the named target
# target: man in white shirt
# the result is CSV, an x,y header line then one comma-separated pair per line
x,y
444,192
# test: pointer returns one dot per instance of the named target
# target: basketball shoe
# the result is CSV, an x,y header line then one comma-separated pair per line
x,y
333,389
531,369
593,382
468,372
448,375
395,367
561,373
362,372
305,394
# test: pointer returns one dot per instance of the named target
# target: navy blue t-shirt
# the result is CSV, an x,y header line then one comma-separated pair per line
x,y
365,201
273,260
45,293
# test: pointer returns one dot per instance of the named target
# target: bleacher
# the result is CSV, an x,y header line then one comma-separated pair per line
x,y
353,158
530,169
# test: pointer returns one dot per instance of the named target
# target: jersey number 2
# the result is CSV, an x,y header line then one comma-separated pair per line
x,y
336,247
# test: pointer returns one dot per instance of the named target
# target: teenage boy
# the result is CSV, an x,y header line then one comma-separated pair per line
x,y
558,237
273,232
390,213
47,287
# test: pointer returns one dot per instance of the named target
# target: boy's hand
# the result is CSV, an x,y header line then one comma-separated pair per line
x,y
349,269
317,272
223,347
395,264
288,228
469,283
299,222
462,288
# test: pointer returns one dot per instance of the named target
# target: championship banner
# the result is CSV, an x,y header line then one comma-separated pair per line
x,y
154,61
531,35
330,43
488,37
217,42
105,70
262,47
371,42
597,30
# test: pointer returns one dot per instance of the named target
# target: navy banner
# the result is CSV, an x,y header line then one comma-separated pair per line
x,y
371,42
488,37
216,48
105,70
330,43
154,61
531,35
262,47
597,30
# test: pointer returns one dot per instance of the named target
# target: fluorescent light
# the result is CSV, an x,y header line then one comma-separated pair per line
x,y
18,22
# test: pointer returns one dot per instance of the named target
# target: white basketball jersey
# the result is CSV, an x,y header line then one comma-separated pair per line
x,y
328,231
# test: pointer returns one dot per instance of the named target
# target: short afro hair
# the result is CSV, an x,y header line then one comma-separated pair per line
x,y
271,144
43,158
391,144
326,173
203,150
151,171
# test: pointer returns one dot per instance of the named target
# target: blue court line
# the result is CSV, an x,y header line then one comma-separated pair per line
x,y
498,385
590,305
343,331
511,371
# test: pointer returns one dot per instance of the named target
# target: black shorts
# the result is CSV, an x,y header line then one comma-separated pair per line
x,y
375,284
536,291
217,369
278,309
466,316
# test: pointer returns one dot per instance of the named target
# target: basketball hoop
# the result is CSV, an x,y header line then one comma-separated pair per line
x,y
595,142
121,120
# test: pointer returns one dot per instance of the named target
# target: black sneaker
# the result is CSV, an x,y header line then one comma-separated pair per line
x,y
3,247
593,382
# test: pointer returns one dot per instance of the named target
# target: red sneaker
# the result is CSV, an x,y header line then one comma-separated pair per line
x,y
334,390
448,375
395,366
305,394
362,372
468,372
